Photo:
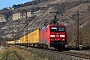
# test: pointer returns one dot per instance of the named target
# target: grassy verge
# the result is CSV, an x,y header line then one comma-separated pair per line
x,y
3,55
25,54
29,55
12,56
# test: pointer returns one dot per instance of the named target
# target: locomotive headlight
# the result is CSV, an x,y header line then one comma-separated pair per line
x,y
52,35
51,39
63,39
62,35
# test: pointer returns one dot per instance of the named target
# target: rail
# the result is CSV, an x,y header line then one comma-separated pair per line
x,y
7,57
75,56
18,56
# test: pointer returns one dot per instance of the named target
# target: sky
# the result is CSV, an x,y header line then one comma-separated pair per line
x,y
7,3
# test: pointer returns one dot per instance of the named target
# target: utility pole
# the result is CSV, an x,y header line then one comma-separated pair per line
x,y
26,29
77,42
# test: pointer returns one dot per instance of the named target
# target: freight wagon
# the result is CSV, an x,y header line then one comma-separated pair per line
x,y
33,38
10,42
23,40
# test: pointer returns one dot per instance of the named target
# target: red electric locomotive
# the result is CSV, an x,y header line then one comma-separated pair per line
x,y
54,35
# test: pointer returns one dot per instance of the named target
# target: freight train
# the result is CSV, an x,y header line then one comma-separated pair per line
x,y
52,35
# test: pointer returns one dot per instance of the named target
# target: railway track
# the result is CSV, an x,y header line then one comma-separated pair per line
x,y
7,56
65,55
75,55
18,56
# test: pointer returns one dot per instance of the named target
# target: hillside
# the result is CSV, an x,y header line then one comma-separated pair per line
x,y
12,21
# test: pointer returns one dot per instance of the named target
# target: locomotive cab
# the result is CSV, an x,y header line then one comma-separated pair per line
x,y
53,35
58,36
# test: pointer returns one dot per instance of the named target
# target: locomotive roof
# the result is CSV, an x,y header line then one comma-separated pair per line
x,y
57,25
62,25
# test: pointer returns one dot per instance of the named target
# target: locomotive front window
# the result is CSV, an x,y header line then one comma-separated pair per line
x,y
57,29
61,29
53,29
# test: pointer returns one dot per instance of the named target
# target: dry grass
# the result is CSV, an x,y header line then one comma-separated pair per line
x,y
26,55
